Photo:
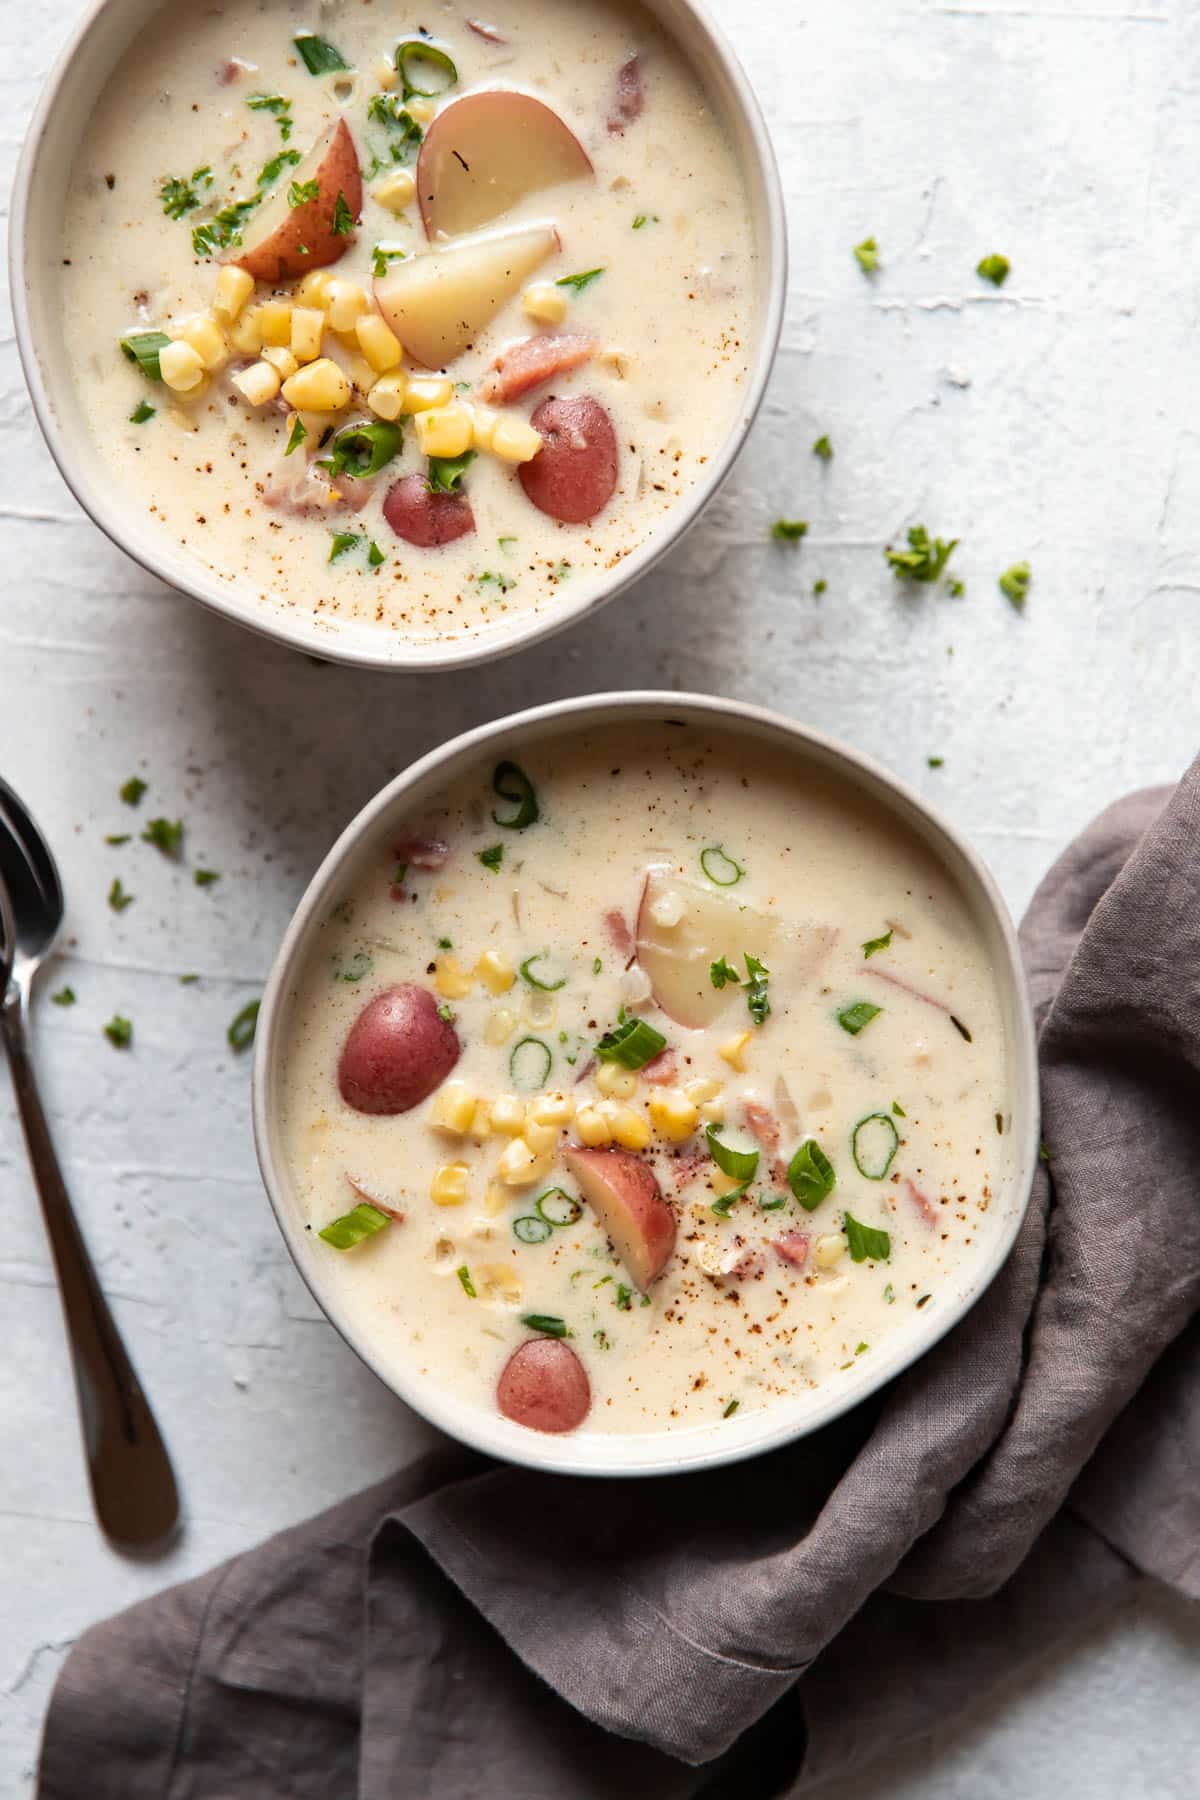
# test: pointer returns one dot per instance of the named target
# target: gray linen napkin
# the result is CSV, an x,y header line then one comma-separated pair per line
x,y
468,1630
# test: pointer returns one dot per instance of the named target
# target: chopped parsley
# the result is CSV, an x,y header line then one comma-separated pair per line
x,y
502,581
133,790
343,218
925,557
117,837
789,531
492,857
898,1110
179,196
644,219
165,834
343,541
390,110
823,448
855,1017
1014,583
381,256
866,255
297,435
118,899
270,172
205,877
64,997
756,989
240,1034
141,412
624,1297
375,556
721,973
936,762
188,980
994,269
579,282
301,192
119,1032
820,586
874,944
276,104
865,1242
956,588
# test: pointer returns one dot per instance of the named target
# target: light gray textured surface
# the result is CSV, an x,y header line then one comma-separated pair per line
x,y
1049,421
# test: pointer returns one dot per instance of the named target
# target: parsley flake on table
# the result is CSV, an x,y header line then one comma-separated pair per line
x,y
205,877
994,269
133,790
64,997
956,588
118,899
789,531
936,762
925,557
117,837
819,587
867,255
165,834
1014,583
240,1034
823,448
119,1032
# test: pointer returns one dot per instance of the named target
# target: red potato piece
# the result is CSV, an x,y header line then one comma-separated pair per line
x,y
488,151
421,517
281,241
532,362
438,303
792,1247
677,958
301,488
629,96
421,852
544,1386
573,475
624,1193
399,1049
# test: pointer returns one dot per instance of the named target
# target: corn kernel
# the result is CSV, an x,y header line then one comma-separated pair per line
x,y
346,303
499,1282
451,980
181,366
396,191
234,287
500,1026
673,1114
519,1165
515,441
496,1199
207,339
443,430
495,971
378,342
314,289
540,1138
546,302
481,1122
630,1130
453,1107
385,397
184,421
360,372
421,108
555,1108
508,1115
592,1127
281,358
733,1051
385,74
827,1250
618,1083
259,382
245,336
425,391
449,1185
318,387
308,328
275,321
702,1089
484,420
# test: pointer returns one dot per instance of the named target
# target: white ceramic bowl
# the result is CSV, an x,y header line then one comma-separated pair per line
x,y
724,1440
61,118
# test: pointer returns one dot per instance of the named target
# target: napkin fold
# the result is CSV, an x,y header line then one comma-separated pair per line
x,y
471,1630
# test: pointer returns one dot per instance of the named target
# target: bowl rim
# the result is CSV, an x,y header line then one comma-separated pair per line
x,y
699,1447
102,501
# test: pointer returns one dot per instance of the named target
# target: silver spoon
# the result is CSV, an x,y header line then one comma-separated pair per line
x,y
133,1487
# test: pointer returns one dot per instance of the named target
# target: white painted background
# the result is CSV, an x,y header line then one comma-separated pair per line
x,y
1052,421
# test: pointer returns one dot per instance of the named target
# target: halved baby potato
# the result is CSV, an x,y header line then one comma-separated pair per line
x,y
682,929
282,241
488,151
437,303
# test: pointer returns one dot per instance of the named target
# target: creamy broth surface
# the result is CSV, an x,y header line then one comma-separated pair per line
x,y
664,217
880,1006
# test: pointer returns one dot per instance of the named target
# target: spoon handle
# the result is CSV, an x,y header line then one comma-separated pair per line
x,y
133,1486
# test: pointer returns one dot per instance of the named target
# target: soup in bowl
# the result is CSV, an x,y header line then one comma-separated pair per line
x,y
408,339
644,1080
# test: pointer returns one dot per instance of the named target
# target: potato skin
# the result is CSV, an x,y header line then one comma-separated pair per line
x,y
273,240
573,475
425,518
544,1386
399,1049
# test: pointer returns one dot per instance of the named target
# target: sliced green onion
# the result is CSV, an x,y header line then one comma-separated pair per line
x,y
141,412
866,1243
757,975
512,784
528,1230
492,857
529,1065
241,1030
446,472
740,1164
142,348
354,970
318,54
362,1221
725,1204
721,973
874,1145
468,1286
535,981
731,1409
853,1018
775,1204
547,1324
810,1175
417,50
874,944
721,870
363,449
632,1044
558,1207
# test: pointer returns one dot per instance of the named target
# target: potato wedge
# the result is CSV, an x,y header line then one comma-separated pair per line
x,y
282,241
488,151
438,302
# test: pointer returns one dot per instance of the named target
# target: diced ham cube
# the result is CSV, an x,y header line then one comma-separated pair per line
x,y
534,361
792,1247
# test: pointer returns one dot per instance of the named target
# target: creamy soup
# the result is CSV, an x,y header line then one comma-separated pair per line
x,y
402,328
645,1081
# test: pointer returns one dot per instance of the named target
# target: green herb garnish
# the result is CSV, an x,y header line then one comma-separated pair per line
x,y
119,1032
297,435
720,973
643,219
757,975
731,1409
354,970
165,834
823,448
343,218
241,1030
446,472
624,1298
431,62
381,256
547,1324
179,196
789,531
924,559
853,1018
511,782
318,55
142,348
529,1065
956,588
865,1241
276,104
141,412
375,556
528,1230
503,582
879,943
133,790
270,172
874,1144
721,869
810,1175
362,450
118,899
558,1208
740,1165
866,255
935,762
994,269
468,1286
536,981
64,997
1014,583
889,1294
205,877
633,1043
492,857
579,282
343,541
726,1203
898,1110
301,192
819,587
362,1221
117,837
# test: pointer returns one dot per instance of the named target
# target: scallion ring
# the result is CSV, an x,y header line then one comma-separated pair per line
x,y
528,1230
512,784
362,1221
739,1164
547,1323
557,1207
535,981
721,869
633,1044
418,50
362,450
874,1144
529,1065
142,348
